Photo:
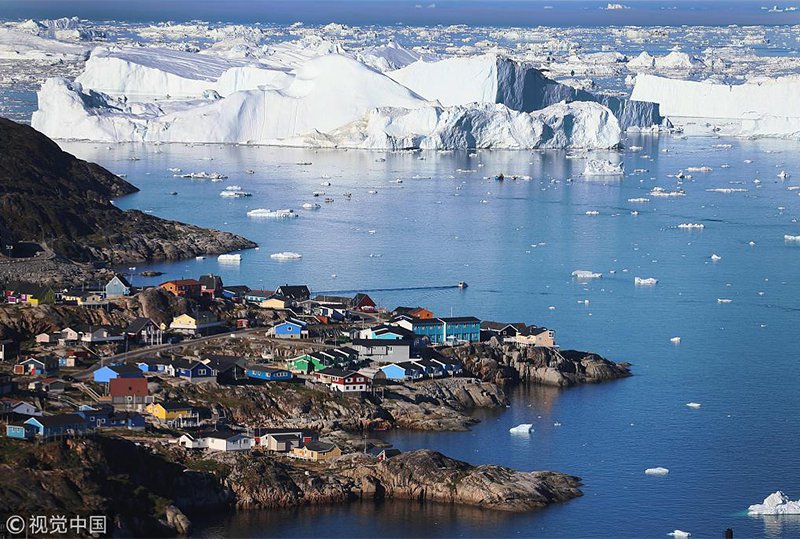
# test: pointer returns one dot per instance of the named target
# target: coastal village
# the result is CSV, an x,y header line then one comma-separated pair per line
x,y
121,378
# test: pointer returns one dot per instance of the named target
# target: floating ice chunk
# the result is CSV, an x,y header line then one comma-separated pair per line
x,y
716,257
675,340
262,213
286,255
691,225
647,281
202,175
680,533
592,213
230,258
639,200
776,503
598,167
311,206
524,428
724,300
699,169
694,405
235,193
585,274
789,237
727,190
661,192
557,424
657,471
784,175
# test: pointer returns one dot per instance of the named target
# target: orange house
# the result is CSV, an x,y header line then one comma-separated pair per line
x,y
421,313
189,288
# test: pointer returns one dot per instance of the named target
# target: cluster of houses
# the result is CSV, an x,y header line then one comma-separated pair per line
x,y
295,443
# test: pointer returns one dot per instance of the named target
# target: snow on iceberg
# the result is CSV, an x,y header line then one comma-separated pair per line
x,y
524,428
646,281
776,503
598,167
286,255
657,471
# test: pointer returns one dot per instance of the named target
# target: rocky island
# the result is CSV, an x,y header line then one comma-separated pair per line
x,y
57,216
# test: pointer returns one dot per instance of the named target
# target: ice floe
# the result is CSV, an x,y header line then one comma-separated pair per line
x,y
286,255
524,428
585,274
272,214
598,167
657,471
776,503
693,405
646,281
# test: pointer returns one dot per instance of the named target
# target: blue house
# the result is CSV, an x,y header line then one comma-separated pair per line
x,y
271,374
126,420
37,366
445,330
20,431
291,329
397,371
152,365
191,370
50,426
118,286
103,375
95,417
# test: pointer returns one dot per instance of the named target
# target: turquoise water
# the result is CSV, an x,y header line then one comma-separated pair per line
x,y
517,251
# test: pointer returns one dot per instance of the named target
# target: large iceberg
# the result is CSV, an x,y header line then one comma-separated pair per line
x,y
766,108
493,79
776,503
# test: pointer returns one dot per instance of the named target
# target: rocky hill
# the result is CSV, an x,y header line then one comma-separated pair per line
x,y
63,204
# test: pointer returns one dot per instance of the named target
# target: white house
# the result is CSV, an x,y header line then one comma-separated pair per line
x,y
217,441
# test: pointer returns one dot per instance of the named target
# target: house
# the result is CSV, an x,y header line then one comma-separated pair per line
x,y
218,440
93,299
306,363
257,296
170,411
227,369
37,366
15,406
144,331
382,454
66,361
431,368
343,381
126,420
499,330
362,302
535,336
152,365
129,391
235,292
105,374
444,330
383,350
192,370
52,385
48,338
70,335
20,431
210,285
413,312
283,440
6,384
95,417
52,426
195,324
9,350
276,302
100,334
373,374
261,372
317,451
294,292
402,371
188,288
291,329
117,287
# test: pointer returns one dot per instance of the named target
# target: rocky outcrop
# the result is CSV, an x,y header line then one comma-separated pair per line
x,y
509,364
64,204
426,475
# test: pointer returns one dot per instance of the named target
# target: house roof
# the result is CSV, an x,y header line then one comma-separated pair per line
x,y
60,420
175,405
223,363
320,447
335,372
397,330
138,325
264,368
211,281
236,289
182,282
533,330
122,279
498,326
459,319
381,342
126,368
360,298
221,434
120,387
294,291
260,293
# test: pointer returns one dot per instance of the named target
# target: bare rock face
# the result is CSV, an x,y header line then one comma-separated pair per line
x,y
509,364
427,475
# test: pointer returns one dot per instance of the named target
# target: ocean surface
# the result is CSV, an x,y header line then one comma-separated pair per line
x,y
516,243
414,12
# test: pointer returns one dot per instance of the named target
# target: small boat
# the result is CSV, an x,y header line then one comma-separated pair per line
x,y
499,177
462,284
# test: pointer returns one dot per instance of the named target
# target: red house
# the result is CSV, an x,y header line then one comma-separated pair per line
x,y
362,302
128,390
343,381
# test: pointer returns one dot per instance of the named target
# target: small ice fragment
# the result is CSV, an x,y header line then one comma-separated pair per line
x,y
724,300
598,167
679,533
691,226
657,471
694,405
675,340
592,212
585,274
715,257
285,255
647,281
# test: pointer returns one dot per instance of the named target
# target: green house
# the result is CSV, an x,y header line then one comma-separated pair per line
x,y
302,363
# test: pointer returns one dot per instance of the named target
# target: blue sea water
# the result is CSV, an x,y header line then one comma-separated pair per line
x,y
516,243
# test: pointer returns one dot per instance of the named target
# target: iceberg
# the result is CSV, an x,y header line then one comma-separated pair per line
x,y
657,471
597,167
230,258
776,503
286,255
716,258
679,533
270,214
647,281
789,237
675,340
585,275
524,428
692,226
694,405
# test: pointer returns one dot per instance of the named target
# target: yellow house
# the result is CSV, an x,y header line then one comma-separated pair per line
x,y
275,302
317,451
194,323
169,410
536,336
